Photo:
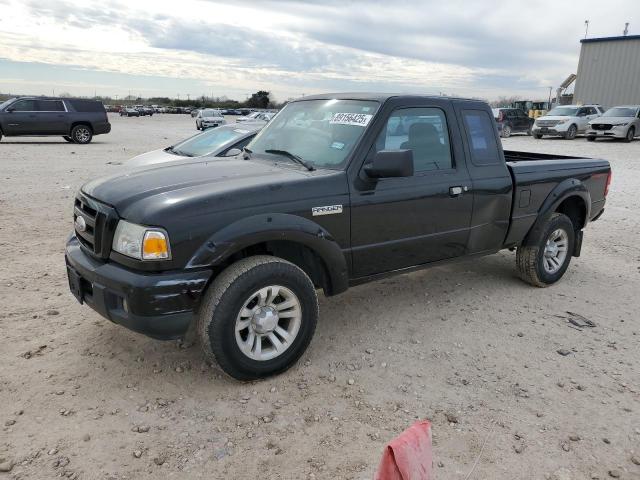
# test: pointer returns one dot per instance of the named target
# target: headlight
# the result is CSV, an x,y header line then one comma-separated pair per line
x,y
143,243
560,122
621,124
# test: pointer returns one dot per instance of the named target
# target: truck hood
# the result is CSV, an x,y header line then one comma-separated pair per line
x,y
143,194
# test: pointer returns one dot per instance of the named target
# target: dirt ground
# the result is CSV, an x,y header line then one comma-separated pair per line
x,y
468,346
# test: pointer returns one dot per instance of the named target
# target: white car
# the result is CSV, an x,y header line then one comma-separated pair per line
x,y
566,121
617,122
208,118
256,117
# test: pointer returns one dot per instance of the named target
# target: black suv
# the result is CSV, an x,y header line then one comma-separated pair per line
x,y
512,120
76,120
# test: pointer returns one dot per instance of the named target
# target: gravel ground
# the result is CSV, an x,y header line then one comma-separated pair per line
x,y
468,346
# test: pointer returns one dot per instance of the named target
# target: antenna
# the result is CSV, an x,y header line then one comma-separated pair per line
x,y
626,29
586,28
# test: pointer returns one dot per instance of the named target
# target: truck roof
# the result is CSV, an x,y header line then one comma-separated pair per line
x,y
380,97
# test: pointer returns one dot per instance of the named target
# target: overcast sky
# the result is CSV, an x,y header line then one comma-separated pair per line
x,y
483,48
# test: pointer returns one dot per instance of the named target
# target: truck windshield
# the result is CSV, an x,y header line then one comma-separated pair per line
x,y
321,132
563,111
620,112
207,142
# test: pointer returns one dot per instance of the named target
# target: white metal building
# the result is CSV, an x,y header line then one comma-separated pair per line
x,y
609,71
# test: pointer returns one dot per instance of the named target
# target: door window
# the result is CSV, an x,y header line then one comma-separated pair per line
x,y
49,106
481,137
422,130
24,106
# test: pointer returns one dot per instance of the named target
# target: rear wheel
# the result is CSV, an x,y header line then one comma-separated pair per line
x,y
545,262
572,131
630,134
258,317
81,134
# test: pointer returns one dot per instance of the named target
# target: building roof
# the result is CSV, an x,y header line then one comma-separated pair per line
x,y
610,39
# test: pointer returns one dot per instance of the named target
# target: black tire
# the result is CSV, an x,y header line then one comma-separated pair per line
x,y
591,138
81,134
631,133
506,131
225,299
537,136
68,139
530,259
572,132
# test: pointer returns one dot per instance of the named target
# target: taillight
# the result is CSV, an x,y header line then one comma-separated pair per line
x,y
606,188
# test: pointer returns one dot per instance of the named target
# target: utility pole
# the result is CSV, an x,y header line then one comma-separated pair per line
x,y
586,28
550,88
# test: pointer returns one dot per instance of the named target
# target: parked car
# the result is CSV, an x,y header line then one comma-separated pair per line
x,y
76,120
208,118
256,117
224,141
129,112
617,122
237,247
566,121
512,120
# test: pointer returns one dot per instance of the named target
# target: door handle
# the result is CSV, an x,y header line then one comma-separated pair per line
x,y
458,190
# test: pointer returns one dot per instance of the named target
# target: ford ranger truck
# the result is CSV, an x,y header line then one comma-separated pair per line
x,y
337,190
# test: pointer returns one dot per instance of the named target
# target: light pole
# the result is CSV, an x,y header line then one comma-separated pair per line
x,y
586,28
550,88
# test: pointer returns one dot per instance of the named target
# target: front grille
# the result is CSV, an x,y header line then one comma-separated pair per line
x,y
95,230
547,123
601,126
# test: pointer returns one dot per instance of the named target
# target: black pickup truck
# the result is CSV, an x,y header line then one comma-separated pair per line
x,y
76,120
335,191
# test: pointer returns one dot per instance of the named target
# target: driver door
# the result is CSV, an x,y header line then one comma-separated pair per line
x,y
22,118
406,221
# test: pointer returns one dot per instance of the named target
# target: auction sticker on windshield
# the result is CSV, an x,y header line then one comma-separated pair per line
x,y
357,119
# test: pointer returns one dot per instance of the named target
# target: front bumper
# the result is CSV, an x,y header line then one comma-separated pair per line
x,y
556,130
615,132
159,305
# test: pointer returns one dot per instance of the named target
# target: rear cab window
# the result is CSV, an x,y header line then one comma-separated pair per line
x,y
482,141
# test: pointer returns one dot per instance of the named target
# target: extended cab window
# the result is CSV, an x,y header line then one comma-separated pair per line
x,y
422,130
481,137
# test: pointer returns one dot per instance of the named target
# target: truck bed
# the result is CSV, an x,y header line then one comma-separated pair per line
x,y
535,175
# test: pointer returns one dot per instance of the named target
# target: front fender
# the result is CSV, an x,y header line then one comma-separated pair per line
x,y
570,187
272,227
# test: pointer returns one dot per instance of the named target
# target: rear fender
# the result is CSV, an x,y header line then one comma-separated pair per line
x,y
570,187
273,227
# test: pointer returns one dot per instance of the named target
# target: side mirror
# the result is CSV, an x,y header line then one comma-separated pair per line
x,y
391,163
10,109
233,152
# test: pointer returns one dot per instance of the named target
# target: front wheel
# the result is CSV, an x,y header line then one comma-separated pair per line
x,y
537,136
258,317
572,132
506,131
81,134
545,261
630,134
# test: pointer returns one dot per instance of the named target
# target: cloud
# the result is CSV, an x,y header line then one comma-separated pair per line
x,y
471,48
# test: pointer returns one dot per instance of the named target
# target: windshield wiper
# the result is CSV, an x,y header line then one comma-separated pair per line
x,y
293,157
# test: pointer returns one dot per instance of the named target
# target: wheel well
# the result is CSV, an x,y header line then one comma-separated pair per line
x,y
298,254
575,209
87,124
